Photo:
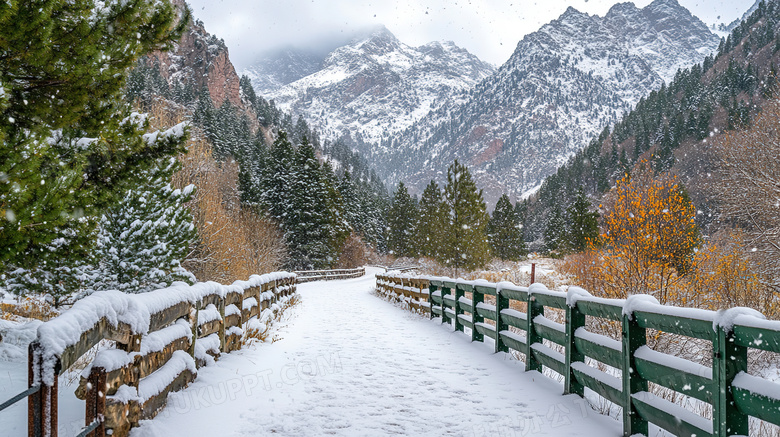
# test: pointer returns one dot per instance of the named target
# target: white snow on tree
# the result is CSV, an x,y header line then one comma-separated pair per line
x,y
143,239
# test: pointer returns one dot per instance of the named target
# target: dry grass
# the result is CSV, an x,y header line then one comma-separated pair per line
x,y
234,241
264,332
30,307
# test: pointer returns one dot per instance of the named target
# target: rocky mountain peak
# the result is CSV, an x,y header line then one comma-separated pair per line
x,y
376,84
560,88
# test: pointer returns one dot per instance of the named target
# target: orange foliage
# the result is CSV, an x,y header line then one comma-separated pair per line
x,y
649,236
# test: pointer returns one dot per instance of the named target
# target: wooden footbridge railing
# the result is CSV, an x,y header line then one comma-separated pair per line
x,y
734,395
158,340
329,275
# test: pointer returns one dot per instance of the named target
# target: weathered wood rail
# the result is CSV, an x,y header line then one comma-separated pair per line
x,y
734,395
161,338
329,275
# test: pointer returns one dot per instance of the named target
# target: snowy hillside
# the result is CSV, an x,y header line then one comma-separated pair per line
x,y
373,85
561,87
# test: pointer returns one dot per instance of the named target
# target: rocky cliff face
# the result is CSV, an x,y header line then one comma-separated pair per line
x,y
202,60
561,87
373,87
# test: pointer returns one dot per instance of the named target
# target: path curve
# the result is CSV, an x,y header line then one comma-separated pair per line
x,y
349,363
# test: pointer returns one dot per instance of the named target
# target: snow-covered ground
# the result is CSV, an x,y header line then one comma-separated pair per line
x,y
348,363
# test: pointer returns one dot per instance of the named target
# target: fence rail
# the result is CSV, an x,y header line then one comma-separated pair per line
x,y
161,337
734,395
329,275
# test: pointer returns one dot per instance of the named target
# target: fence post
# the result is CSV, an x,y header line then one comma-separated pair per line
x,y
634,337
728,359
533,309
431,290
445,291
459,292
533,273
502,303
96,401
476,299
574,320
42,405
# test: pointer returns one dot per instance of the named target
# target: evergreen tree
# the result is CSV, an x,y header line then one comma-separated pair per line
x,y
555,231
277,179
583,229
143,239
466,244
68,143
505,231
433,217
307,222
401,223
338,227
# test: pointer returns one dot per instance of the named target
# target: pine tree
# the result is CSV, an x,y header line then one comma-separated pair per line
x,y
583,229
277,179
143,239
307,222
555,231
401,223
505,231
338,227
431,225
68,143
466,237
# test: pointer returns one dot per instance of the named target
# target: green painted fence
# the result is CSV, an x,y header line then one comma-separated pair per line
x,y
734,394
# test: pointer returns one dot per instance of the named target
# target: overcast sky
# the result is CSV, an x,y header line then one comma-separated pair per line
x,y
488,28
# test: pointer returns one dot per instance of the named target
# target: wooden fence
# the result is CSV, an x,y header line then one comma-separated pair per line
x,y
160,337
329,275
734,395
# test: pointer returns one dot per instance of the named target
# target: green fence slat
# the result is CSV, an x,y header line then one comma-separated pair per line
x,y
513,342
541,356
606,355
513,318
758,338
464,320
486,330
668,421
486,313
697,328
601,388
550,333
551,301
756,405
603,311
486,289
522,296
689,384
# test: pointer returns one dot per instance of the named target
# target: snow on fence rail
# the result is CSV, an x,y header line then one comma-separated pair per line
x,y
162,337
734,394
329,275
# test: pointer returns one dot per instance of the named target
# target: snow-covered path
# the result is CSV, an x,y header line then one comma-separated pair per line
x,y
349,363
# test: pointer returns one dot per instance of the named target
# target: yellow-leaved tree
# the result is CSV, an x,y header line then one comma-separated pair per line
x,y
648,234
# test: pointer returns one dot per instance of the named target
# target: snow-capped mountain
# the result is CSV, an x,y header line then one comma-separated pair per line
x,y
560,88
373,86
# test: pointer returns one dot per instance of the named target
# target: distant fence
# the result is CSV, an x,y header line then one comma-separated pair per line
x,y
733,394
161,338
329,275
